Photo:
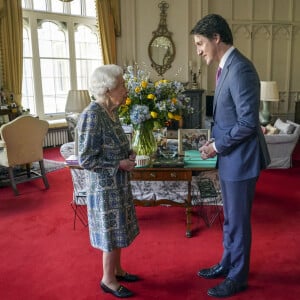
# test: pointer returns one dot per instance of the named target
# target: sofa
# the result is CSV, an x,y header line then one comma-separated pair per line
x,y
281,139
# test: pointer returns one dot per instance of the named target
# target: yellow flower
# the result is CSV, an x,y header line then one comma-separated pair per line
x,y
137,90
154,114
128,101
144,84
170,115
177,117
151,96
124,108
174,100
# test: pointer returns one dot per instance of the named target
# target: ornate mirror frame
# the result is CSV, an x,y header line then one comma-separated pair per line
x,y
161,49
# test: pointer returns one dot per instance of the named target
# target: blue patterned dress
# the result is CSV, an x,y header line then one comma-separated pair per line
x,y
111,212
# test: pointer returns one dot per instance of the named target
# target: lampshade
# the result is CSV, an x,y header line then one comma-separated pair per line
x,y
77,101
269,91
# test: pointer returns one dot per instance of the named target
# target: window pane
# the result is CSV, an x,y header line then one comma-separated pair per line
x,y
27,86
76,7
54,104
52,41
84,71
55,84
90,8
86,42
57,6
39,4
55,76
26,43
87,55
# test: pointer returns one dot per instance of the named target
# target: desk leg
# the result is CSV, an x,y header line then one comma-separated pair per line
x,y
188,211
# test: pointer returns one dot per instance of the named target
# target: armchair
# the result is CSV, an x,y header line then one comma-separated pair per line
x,y
21,144
281,145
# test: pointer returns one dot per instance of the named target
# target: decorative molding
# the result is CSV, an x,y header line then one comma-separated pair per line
x,y
282,31
260,30
243,30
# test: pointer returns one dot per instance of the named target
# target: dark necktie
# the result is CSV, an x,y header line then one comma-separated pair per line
x,y
218,74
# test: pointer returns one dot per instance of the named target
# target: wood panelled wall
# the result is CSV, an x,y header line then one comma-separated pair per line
x,y
266,31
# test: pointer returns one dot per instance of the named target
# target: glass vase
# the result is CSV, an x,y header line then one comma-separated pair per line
x,y
143,141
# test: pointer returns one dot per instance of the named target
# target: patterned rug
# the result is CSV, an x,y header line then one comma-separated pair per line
x,y
20,173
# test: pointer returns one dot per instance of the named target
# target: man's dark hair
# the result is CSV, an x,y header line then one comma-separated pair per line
x,y
213,24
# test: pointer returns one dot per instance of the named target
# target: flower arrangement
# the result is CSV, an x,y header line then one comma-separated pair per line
x,y
154,105
151,106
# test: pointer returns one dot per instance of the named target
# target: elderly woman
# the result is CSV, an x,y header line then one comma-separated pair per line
x,y
104,153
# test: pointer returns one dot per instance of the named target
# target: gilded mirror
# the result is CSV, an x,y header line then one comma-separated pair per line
x,y
161,48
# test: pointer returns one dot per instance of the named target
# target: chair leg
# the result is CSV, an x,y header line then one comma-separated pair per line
x,y
43,172
28,170
80,213
12,180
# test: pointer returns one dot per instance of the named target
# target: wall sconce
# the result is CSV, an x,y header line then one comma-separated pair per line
x,y
268,93
194,77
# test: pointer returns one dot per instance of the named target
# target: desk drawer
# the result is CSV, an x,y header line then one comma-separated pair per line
x,y
166,175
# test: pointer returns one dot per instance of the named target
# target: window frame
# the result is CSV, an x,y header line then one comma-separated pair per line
x,y
69,23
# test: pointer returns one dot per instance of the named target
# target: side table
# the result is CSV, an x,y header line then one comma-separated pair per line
x,y
169,174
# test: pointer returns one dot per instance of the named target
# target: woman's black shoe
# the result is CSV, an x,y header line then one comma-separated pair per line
x,y
127,277
121,292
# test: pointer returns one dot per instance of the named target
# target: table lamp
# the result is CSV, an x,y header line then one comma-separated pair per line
x,y
77,101
268,93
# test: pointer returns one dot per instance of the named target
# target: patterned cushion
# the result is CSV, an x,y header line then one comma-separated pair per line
x,y
284,127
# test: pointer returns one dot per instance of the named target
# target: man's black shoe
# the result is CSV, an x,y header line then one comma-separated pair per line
x,y
213,272
226,288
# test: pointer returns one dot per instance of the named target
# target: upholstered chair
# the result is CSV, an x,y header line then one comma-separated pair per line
x,y
281,141
22,144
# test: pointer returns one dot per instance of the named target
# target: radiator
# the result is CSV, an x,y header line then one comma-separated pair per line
x,y
56,137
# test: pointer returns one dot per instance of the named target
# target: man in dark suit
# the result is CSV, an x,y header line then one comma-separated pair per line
x,y
239,145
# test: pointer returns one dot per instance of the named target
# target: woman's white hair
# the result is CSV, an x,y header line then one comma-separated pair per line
x,y
104,78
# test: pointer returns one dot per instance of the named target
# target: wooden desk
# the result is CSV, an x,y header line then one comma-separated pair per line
x,y
168,174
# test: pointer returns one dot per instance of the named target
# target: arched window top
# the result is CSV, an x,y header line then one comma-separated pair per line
x,y
86,41
52,40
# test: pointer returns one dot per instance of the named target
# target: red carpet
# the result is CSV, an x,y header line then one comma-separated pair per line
x,y
42,257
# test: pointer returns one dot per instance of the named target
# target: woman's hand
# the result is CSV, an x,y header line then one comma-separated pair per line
x,y
132,155
127,164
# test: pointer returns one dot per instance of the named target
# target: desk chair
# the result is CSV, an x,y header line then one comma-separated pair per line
x,y
78,202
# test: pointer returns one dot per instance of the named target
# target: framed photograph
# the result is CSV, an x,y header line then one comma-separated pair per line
x,y
192,139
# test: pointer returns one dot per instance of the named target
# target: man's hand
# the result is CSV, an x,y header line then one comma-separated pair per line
x,y
207,151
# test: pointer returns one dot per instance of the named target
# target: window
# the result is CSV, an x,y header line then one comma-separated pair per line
x,y
61,49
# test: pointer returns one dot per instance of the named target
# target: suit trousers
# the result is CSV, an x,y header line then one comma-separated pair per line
x,y
237,205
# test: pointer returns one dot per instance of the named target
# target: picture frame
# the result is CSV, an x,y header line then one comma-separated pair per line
x,y
192,139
